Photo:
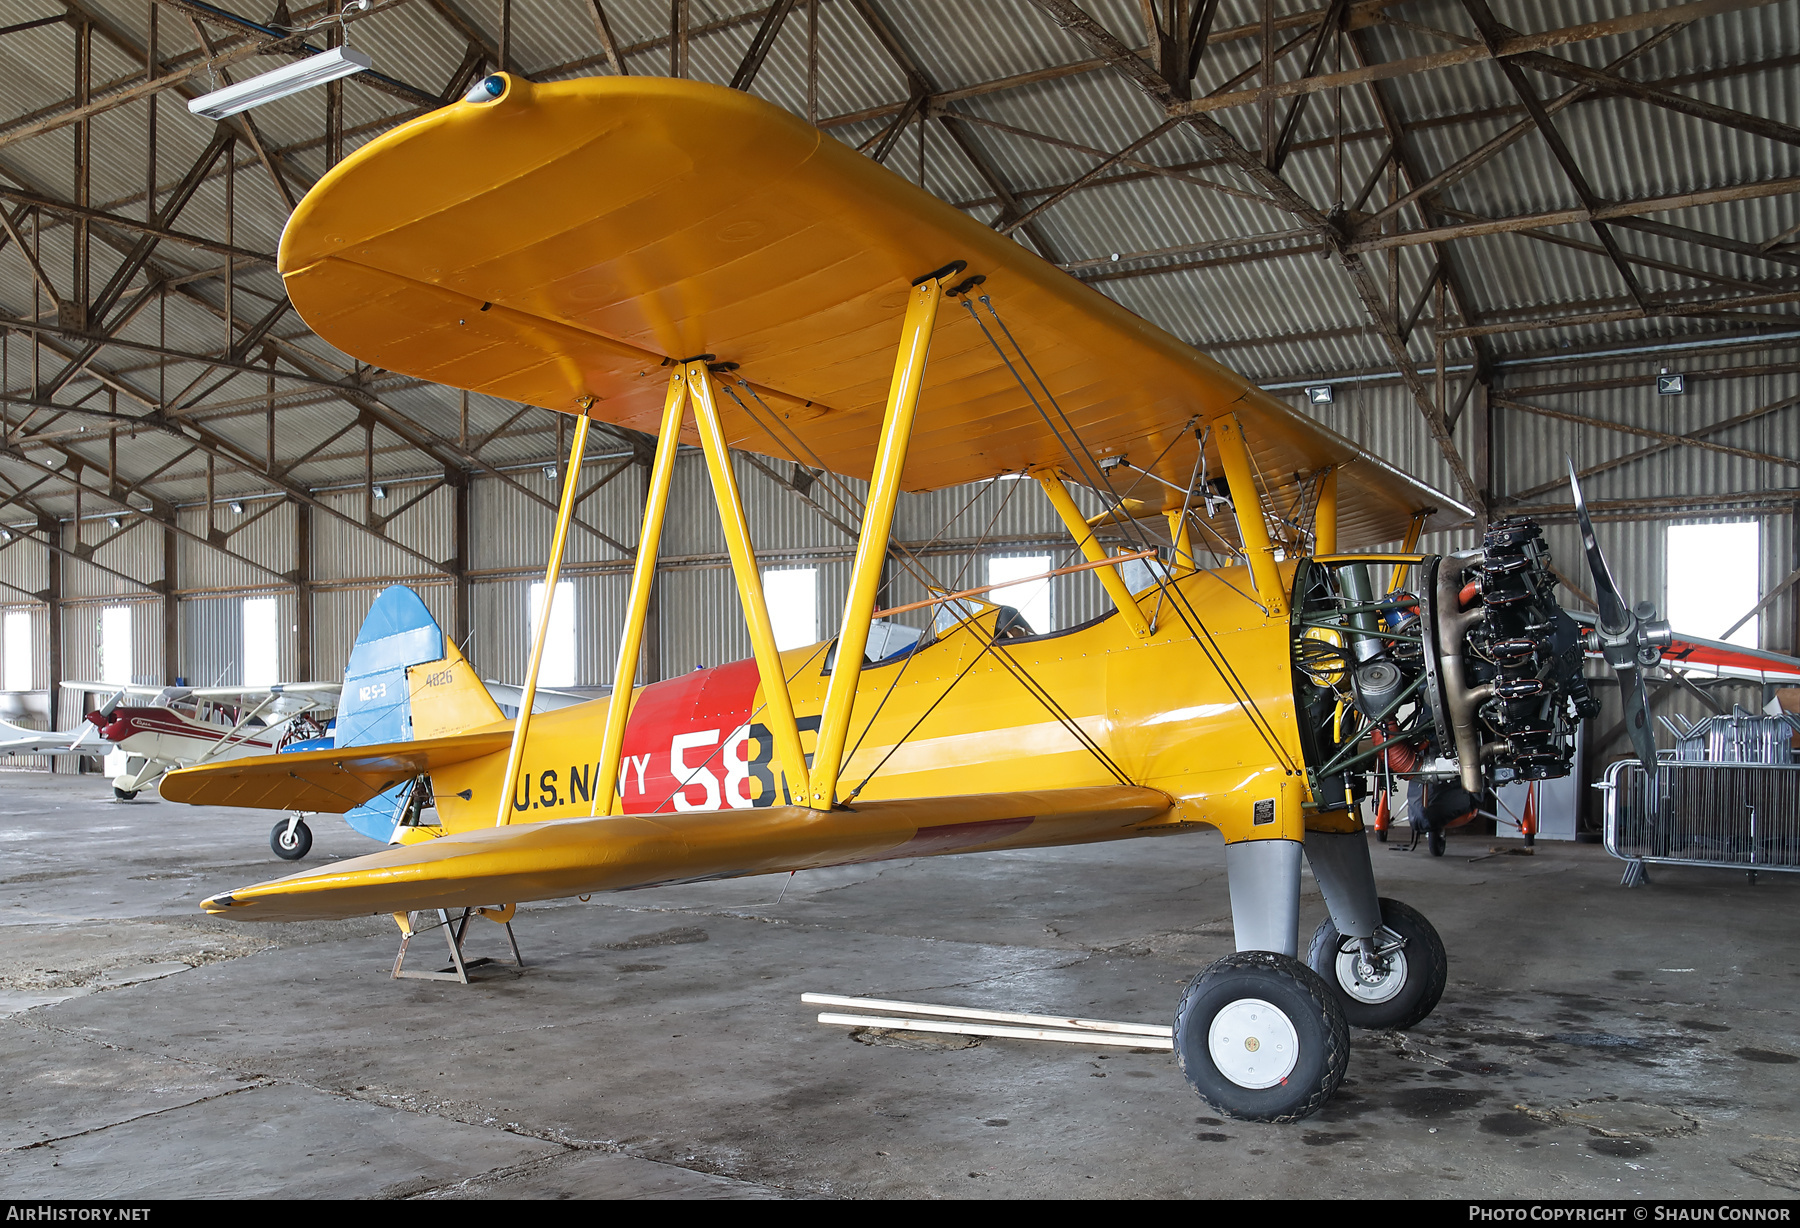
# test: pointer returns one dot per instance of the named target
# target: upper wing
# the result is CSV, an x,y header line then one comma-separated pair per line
x,y
541,861
334,781
571,237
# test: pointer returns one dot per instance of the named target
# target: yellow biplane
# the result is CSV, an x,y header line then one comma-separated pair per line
x,y
693,262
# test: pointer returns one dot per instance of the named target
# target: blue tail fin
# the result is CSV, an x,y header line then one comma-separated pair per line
x,y
398,632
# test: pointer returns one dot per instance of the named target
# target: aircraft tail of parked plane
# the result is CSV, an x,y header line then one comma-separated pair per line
x,y
405,682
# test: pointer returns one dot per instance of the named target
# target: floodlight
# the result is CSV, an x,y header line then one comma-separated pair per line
x,y
550,472
1670,385
279,83
113,522
236,507
380,492
1319,394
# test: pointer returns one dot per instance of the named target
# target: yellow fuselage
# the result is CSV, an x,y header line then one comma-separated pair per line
x,y
950,718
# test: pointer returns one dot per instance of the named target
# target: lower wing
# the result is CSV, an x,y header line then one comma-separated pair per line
x,y
333,781
543,861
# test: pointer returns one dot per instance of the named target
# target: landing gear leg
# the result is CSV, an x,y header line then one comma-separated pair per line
x,y
1265,894
1259,1034
1384,961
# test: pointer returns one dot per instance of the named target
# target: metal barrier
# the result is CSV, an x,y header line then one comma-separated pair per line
x,y
1734,816
1742,737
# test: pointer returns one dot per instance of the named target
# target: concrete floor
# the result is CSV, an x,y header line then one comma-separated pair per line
x,y
1592,1042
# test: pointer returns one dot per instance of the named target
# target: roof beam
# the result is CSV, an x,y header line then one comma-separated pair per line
x,y
1572,217
764,38
1658,448
1494,35
1071,17
1624,428
1414,65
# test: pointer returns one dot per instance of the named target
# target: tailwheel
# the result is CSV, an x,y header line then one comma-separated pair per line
x,y
1261,1037
1395,985
291,839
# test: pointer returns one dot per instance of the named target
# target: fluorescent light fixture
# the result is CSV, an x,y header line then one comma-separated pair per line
x,y
279,83
1319,394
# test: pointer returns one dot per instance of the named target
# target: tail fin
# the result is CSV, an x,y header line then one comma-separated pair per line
x,y
448,698
405,681
398,632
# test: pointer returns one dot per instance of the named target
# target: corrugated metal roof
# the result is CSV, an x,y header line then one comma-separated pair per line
x,y
1627,149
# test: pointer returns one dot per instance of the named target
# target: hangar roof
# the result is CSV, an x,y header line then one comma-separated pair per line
x,y
1308,190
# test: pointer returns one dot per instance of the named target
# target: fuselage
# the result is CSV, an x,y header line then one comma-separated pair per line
x,y
1206,718
165,738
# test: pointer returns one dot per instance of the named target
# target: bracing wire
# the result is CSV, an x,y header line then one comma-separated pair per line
x,y
1083,461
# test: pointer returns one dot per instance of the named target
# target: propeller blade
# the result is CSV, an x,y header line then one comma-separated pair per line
x,y
1615,617
1637,715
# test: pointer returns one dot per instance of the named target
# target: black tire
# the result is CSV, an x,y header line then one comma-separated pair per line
x,y
1237,990
1434,840
124,795
1377,1002
290,847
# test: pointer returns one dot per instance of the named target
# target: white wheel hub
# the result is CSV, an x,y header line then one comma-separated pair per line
x,y
1376,980
1253,1043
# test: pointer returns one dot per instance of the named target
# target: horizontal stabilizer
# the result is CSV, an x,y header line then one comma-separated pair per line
x,y
333,780
543,861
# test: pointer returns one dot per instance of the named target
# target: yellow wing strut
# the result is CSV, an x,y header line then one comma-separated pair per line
x,y
872,545
564,511
643,575
1325,519
1245,500
1091,550
779,704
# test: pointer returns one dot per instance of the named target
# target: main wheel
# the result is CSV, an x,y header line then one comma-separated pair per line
x,y
290,845
124,795
1397,987
1261,1037
1434,840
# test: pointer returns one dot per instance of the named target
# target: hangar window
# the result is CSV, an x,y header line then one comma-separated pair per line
x,y
1031,600
115,644
558,667
1713,579
18,650
262,642
792,595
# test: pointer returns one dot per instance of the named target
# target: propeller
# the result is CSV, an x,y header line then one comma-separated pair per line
x,y
102,712
1630,638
